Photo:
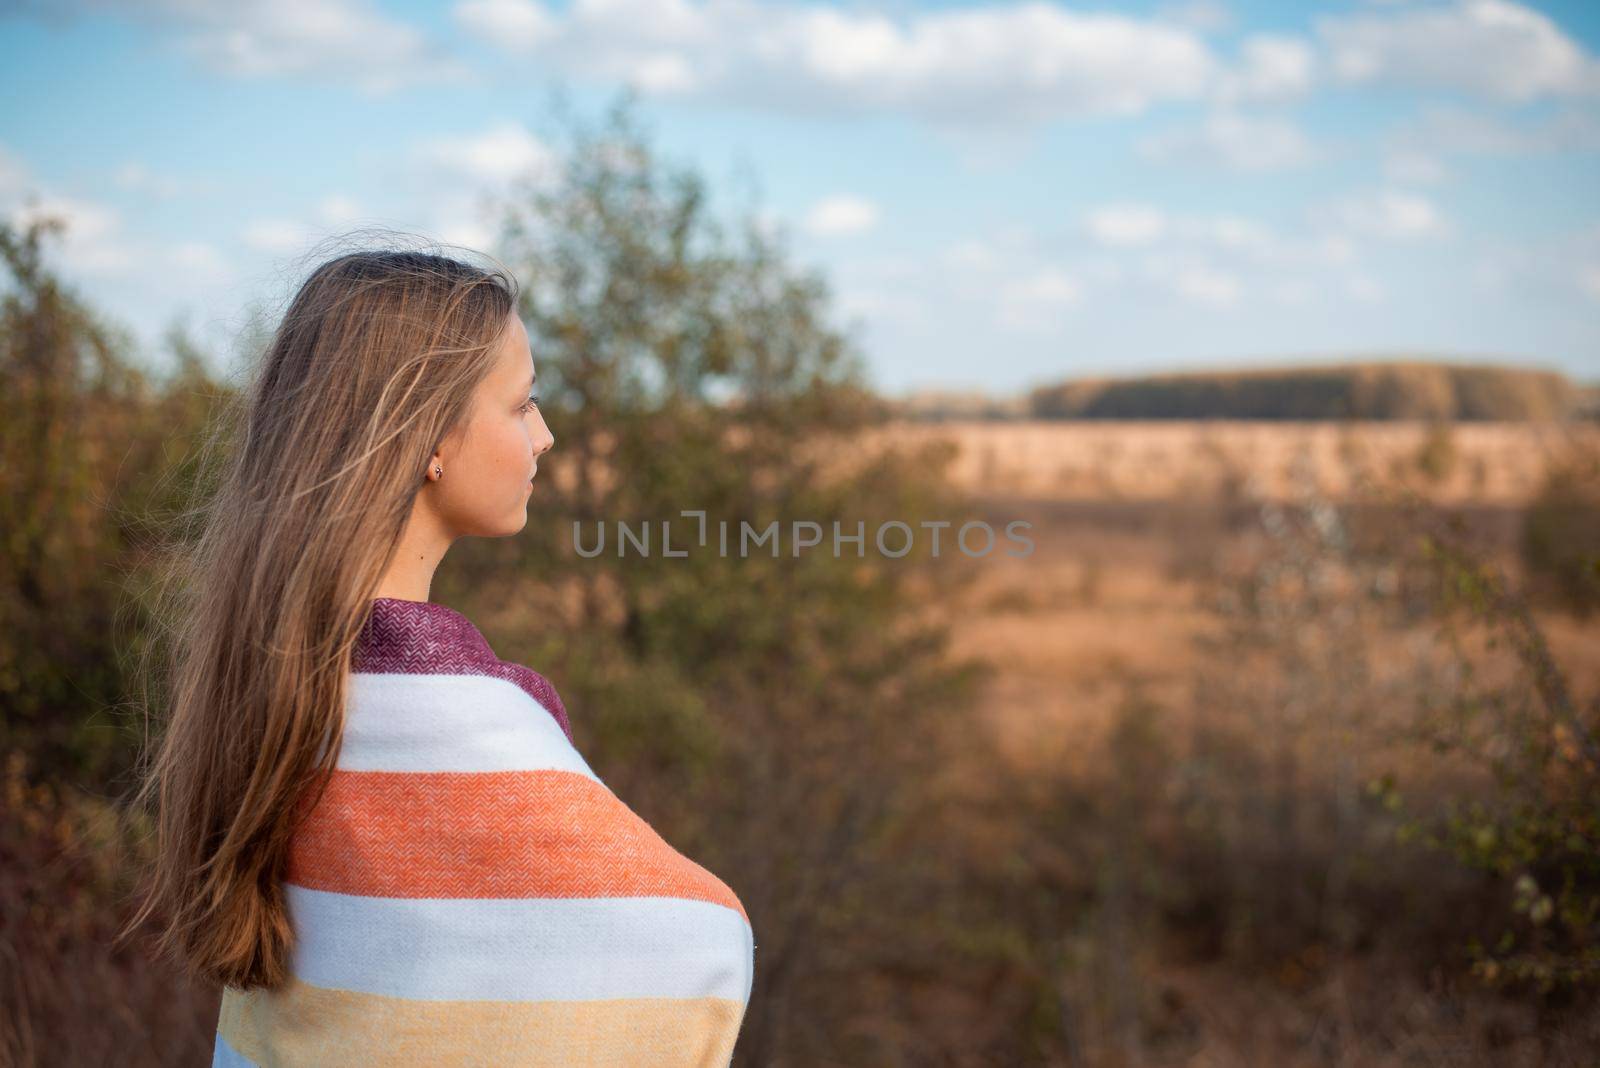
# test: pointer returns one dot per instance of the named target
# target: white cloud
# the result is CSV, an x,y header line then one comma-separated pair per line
x,y
1126,224
1291,291
666,73
1021,63
1566,261
1272,67
1589,280
136,177
496,155
891,290
1362,288
465,231
971,255
1206,286
283,236
347,41
1233,141
512,24
277,236
1490,275
1446,129
459,181
881,306
1037,301
1493,48
768,223
1240,241
1335,249
1234,232
1049,287
338,210
1391,214
199,258
92,241
842,214
1003,279
1412,167
1191,276
14,177
1203,15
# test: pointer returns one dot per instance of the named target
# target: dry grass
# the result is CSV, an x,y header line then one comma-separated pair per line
x,y
1132,523
1486,463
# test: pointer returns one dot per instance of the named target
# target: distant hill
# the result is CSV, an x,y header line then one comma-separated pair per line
x,y
1379,390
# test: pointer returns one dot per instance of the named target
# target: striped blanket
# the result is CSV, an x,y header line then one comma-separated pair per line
x,y
467,890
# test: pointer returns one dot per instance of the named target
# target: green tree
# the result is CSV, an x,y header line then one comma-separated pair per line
x,y
775,715
93,460
1536,828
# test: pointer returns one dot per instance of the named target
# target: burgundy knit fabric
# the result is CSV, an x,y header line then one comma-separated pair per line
x,y
426,638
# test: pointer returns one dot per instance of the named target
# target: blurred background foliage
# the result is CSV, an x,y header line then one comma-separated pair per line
x,y
1357,821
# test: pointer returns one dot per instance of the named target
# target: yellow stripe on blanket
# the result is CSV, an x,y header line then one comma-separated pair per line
x,y
305,1025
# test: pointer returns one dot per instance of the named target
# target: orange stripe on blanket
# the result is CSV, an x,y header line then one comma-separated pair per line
x,y
488,834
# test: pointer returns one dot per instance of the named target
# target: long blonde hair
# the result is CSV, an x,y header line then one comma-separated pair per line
x,y
374,363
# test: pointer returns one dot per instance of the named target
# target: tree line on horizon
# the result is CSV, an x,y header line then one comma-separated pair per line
x,y
1373,390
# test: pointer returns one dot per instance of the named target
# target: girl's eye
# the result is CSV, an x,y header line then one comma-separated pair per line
x,y
532,401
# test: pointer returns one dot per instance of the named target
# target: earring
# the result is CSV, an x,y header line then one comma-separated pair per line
x,y
438,472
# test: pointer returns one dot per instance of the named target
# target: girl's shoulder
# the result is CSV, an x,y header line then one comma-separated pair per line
x,y
423,638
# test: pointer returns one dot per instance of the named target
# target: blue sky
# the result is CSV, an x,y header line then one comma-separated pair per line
x,y
999,194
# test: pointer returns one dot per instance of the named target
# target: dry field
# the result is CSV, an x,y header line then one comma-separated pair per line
x,y
1126,516
1131,521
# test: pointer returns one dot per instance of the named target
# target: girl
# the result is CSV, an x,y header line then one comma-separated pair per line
x,y
373,832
